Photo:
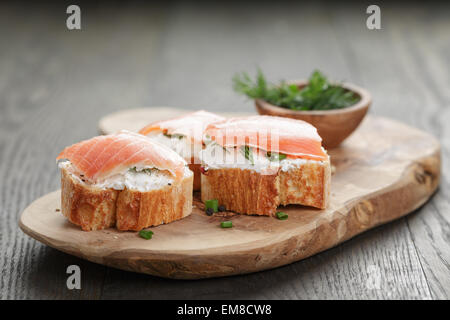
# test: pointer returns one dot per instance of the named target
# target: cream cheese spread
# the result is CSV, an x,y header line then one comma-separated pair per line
x,y
139,179
180,144
215,156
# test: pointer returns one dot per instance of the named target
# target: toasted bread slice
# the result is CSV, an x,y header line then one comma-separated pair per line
x,y
243,191
137,210
94,208
89,207
250,192
308,184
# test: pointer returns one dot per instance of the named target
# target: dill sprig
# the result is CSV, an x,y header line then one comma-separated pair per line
x,y
319,94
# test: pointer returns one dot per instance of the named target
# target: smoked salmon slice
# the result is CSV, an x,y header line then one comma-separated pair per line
x,y
190,125
295,138
104,156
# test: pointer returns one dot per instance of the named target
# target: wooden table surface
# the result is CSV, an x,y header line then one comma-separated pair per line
x,y
56,84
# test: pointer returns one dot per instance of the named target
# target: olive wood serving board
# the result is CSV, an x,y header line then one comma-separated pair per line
x,y
384,171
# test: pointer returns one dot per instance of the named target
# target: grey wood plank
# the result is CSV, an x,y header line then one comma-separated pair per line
x,y
429,64
56,88
24,262
416,92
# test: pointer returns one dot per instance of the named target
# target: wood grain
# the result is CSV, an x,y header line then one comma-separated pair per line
x,y
129,55
379,177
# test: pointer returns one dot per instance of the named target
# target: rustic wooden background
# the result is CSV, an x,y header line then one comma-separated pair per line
x,y
55,84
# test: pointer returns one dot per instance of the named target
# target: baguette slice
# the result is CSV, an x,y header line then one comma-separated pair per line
x,y
137,210
93,208
89,207
250,192
308,184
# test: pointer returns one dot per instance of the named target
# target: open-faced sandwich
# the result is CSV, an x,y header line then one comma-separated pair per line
x,y
253,164
124,180
184,135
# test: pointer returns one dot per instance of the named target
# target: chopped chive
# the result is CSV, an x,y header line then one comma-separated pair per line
x,y
146,234
148,170
213,143
177,136
145,170
226,224
275,156
213,204
248,154
281,215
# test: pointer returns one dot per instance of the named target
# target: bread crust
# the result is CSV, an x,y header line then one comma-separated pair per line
x,y
243,191
308,185
88,207
195,168
137,210
250,192
93,208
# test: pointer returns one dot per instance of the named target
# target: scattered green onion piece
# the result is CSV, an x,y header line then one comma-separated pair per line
x,y
282,216
146,234
213,204
226,224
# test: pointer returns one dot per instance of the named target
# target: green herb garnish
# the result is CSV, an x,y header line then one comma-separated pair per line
x,y
281,215
226,224
146,170
146,234
273,156
213,204
175,135
179,136
248,154
319,94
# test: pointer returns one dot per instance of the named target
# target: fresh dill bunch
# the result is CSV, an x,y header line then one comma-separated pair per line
x,y
319,94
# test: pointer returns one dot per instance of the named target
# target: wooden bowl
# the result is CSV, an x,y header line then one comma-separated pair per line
x,y
333,125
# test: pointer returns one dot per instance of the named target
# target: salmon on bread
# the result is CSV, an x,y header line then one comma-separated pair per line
x,y
120,180
254,164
